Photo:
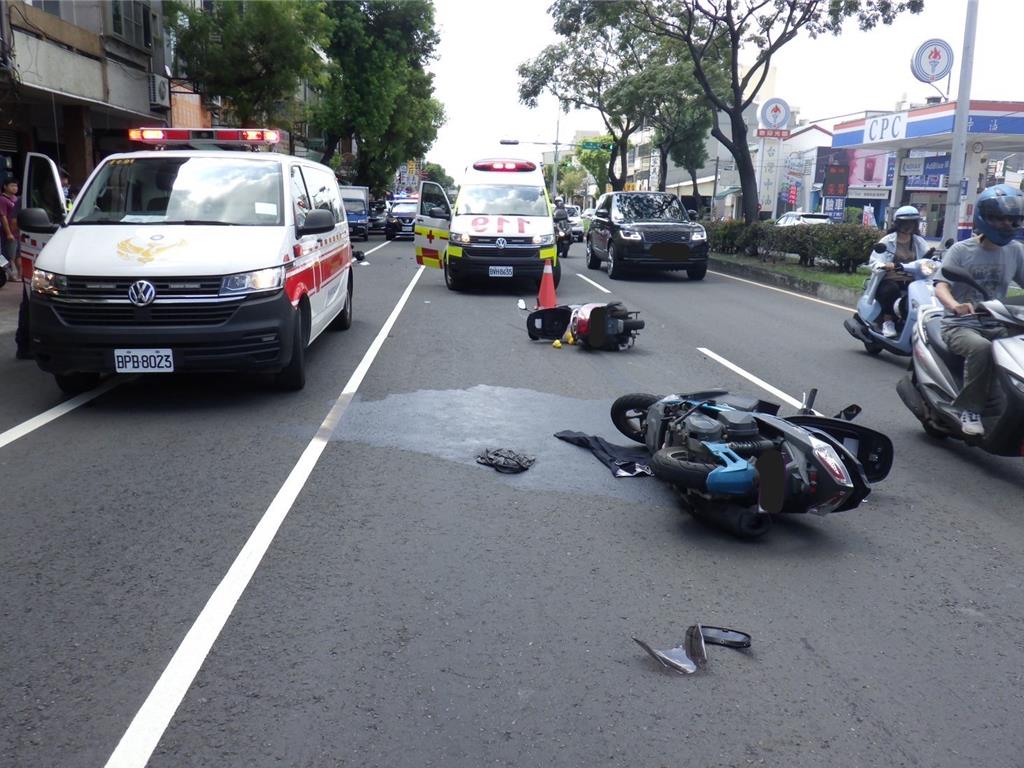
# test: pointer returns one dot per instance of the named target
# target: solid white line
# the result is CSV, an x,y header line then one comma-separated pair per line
x,y
148,726
782,290
599,287
376,248
752,378
44,418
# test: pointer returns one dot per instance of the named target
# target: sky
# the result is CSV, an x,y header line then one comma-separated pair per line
x,y
484,41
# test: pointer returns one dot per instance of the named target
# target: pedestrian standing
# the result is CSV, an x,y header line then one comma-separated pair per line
x,y
9,233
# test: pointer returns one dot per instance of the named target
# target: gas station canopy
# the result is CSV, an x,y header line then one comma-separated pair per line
x,y
996,125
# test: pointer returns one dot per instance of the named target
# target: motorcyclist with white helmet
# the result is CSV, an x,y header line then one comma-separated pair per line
x,y
993,258
903,245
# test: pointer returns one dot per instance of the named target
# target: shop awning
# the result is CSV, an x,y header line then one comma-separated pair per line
x,y
727,191
705,186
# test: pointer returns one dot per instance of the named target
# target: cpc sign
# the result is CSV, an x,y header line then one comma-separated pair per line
x,y
932,61
885,128
775,114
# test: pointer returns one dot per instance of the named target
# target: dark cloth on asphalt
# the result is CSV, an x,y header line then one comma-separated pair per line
x,y
622,460
506,460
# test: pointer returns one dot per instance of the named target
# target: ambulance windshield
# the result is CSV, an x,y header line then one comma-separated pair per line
x,y
184,190
502,200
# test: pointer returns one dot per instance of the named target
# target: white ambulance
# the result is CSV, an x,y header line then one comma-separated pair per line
x,y
186,260
499,228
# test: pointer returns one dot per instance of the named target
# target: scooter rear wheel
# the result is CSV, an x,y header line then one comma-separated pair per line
x,y
629,414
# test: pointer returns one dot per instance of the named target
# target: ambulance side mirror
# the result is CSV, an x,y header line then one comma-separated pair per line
x,y
317,222
36,220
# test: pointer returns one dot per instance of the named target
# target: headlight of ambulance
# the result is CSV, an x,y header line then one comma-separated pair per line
x,y
49,283
630,234
699,234
543,239
458,237
269,279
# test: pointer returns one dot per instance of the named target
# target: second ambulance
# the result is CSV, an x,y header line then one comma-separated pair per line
x,y
500,227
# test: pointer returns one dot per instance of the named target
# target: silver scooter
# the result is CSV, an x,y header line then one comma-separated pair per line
x,y
936,376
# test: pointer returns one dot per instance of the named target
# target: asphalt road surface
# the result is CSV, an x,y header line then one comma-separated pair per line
x,y
200,571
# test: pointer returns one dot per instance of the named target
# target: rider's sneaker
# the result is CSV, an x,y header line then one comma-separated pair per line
x,y
889,329
970,424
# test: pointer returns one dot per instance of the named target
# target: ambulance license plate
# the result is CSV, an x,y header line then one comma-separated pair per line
x,y
499,271
143,361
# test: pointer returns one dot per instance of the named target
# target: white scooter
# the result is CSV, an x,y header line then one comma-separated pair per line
x,y
863,326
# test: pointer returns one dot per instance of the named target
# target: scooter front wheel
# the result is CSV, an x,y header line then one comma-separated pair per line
x,y
872,348
629,414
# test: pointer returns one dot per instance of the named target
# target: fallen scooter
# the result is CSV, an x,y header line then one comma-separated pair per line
x,y
592,326
863,326
736,462
936,376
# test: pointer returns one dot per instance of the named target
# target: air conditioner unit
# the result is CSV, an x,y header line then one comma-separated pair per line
x,y
159,92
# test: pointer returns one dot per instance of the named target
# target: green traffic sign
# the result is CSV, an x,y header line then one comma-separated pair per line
x,y
595,145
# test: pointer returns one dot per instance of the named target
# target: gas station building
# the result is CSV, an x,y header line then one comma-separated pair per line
x,y
914,147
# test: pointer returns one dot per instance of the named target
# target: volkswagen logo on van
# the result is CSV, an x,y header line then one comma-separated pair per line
x,y
501,242
141,293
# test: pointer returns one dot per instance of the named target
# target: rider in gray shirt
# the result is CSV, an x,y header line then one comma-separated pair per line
x,y
993,258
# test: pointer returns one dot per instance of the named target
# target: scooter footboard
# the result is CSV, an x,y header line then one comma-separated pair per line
x,y
873,449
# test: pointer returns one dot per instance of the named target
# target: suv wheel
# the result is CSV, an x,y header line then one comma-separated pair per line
x,y
592,261
615,269
697,273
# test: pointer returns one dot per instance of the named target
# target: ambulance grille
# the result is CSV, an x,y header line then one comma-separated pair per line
x,y
106,288
122,315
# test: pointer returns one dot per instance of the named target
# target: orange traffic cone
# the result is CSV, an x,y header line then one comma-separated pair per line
x,y
546,298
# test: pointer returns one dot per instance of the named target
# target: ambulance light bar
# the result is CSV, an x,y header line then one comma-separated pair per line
x,y
165,136
504,165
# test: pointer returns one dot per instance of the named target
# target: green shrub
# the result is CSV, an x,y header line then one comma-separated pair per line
x,y
840,247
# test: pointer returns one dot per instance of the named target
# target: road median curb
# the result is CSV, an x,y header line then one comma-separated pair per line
x,y
768,277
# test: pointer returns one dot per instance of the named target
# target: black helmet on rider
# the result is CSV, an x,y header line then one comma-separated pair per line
x,y
998,213
559,201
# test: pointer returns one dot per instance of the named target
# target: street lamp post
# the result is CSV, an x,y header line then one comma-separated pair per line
x,y
958,159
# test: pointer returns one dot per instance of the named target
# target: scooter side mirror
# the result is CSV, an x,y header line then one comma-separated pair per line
x,y
879,248
961,275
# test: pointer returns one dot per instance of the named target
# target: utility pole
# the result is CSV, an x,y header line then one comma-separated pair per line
x,y
714,189
554,174
958,158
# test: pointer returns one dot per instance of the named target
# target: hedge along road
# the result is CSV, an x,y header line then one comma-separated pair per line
x,y
416,608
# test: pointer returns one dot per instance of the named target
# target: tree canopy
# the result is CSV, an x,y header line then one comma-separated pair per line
x,y
251,53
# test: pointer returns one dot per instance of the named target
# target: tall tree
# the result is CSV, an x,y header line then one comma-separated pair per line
x,y
252,54
591,68
718,29
436,173
377,88
596,161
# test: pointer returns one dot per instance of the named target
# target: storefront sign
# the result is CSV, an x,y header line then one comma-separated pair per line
x,y
932,61
835,207
885,128
772,133
868,193
837,179
912,166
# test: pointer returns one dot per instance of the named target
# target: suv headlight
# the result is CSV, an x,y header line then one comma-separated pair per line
x,y
630,234
699,234
458,237
49,283
543,239
270,279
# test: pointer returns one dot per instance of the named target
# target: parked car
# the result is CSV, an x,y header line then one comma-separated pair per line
x,y
401,219
575,222
799,217
650,230
378,215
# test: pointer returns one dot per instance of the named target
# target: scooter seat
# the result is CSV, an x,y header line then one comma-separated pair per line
x,y
953,361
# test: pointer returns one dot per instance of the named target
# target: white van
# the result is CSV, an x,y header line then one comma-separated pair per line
x,y
499,228
187,260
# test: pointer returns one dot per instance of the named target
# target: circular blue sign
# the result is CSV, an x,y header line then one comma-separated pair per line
x,y
775,114
932,61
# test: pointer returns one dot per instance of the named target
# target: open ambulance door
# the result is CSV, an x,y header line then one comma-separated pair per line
x,y
431,233
40,188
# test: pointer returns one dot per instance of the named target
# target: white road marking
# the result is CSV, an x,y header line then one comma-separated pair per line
x,y
377,247
782,290
599,287
44,418
752,378
148,726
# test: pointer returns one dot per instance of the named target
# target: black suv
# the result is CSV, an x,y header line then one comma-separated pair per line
x,y
651,230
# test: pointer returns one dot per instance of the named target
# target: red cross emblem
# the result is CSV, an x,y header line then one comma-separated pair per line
x,y
430,236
